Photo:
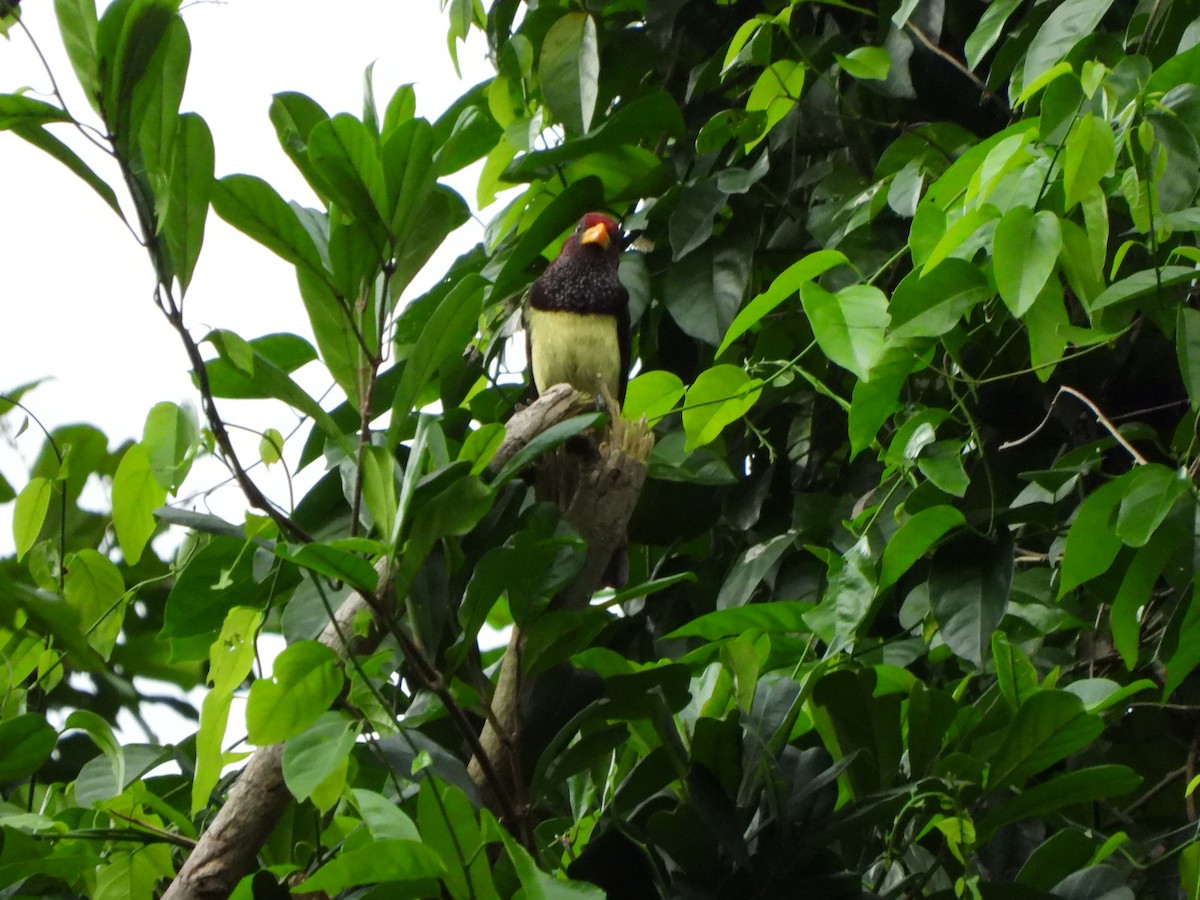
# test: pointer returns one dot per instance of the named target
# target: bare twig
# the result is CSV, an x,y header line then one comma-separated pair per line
x,y
960,66
1104,420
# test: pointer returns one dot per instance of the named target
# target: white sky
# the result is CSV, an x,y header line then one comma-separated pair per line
x,y
75,286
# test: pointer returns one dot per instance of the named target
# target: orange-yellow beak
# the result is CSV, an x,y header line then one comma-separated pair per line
x,y
597,234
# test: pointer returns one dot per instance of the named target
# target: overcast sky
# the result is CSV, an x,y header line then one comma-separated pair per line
x,y
76,287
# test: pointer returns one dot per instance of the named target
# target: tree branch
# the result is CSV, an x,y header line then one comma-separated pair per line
x,y
597,495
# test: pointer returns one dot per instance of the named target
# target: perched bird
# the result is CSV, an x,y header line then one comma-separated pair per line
x,y
577,313
577,327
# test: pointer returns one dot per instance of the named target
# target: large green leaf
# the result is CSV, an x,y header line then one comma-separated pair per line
x,y
1092,541
850,326
1049,727
187,195
29,513
305,681
719,396
914,538
444,339
932,303
136,494
26,742
17,110
787,284
77,24
44,140
1089,156
703,291
253,207
1024,252
275,382
569,70
387,861
1069,789
968,592
1066,24
347,157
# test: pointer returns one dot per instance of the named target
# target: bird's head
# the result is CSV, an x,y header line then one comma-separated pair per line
x,y
596,232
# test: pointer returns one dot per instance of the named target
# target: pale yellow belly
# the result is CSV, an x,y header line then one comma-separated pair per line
x,y
573,348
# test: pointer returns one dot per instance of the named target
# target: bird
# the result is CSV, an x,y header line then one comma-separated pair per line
x,y
577,313
577,328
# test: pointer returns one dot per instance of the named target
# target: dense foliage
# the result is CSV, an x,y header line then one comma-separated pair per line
x,y
913,608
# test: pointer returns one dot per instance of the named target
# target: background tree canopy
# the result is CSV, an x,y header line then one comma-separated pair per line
x,y
913,602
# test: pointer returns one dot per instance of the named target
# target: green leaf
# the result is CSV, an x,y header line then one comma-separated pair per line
x,y
569,70
26,742
786,285
93,586
275,382
942,463
639,122
1062,791
136,493
866,63
1135,593
287,352
775,93
948,240
316,753
720,395
1090,154
332,561
1187,350
989,29
1070,21
653,395
77,24
252,206
703,291
554,436
776,617
539,885
1049,727
379,488
1092,542
187,196
445,337
692,218
29,513
47,142
214,580
347,157
850,326
305,681
449,826
1139,284
390,860
1148,498
968,591
1025,249
1015,675
383,817
930,304
169,436
17,110
751,568
230,659
914,539
294,117
410,176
